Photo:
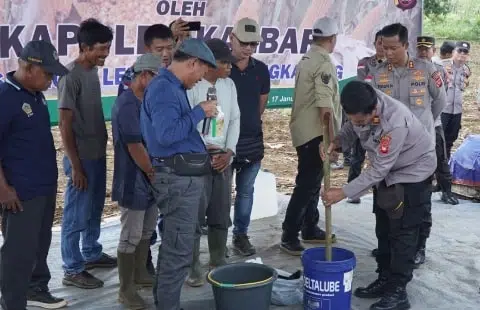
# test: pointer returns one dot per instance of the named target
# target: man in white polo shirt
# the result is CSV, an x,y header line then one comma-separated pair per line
x,y
221,140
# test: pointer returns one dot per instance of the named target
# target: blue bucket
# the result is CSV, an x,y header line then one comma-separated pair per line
x,y
327,285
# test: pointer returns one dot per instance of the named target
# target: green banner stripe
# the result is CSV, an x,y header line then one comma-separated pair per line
x,y
279,98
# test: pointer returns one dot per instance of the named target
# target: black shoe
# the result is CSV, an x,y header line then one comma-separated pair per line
x,y
449,198
395,299
436,188
419,258
105,261
315,235
374,290
374,252
43,299
292,247
82,280
241,245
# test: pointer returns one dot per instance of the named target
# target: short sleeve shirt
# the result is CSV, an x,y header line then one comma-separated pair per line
x,y
130,186
80,92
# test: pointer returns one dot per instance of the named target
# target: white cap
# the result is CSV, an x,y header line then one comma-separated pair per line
x,y
325,27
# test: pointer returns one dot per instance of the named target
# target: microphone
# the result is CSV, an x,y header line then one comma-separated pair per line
x,y
211,95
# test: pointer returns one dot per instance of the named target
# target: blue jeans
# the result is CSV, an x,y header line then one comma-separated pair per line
x,y
82,214
244,180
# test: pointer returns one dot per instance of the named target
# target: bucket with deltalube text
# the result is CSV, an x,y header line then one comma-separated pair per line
x,y
328,284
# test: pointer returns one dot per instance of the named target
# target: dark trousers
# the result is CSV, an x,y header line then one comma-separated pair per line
x,y
398,238
356,161
443,174
302,212
23,256
451,127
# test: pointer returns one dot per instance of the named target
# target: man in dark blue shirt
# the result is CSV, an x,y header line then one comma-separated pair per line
x,y
181,162
131,189
28,179
252,79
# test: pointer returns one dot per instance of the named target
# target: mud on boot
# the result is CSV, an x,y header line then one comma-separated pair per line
x,y
142,275
394,299
127,294
196,277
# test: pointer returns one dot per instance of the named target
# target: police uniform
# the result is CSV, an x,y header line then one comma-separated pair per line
x,y
316,86
459,80
418,85
366,66
403,160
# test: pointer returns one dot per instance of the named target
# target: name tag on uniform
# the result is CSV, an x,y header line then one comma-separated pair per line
x,y
27,109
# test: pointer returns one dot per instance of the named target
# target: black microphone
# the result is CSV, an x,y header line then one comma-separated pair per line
x,y
211,95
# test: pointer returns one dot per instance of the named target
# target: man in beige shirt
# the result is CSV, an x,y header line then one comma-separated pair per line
x,y
316,98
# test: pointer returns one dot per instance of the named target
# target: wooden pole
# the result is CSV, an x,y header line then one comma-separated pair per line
x,y
326,187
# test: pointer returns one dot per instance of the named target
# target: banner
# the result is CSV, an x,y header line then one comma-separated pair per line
x,y
286,29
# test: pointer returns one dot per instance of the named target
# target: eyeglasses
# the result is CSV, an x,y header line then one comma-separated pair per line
x,y
246,44
462,50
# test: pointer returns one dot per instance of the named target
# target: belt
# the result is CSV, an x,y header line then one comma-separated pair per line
x,y
164,169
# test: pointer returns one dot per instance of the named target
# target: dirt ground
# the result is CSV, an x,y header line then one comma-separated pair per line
x,y
280,157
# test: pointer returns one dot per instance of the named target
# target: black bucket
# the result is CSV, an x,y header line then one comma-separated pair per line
x,y
242,286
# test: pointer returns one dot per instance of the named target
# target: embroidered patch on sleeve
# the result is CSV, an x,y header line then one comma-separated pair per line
x,y
437,77
325,77
385,144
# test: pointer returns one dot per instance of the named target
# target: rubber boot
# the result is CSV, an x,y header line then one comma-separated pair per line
x,y
217,245
196,277
126,272
142,276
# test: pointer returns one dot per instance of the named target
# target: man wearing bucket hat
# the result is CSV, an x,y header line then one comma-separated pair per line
x,y
131,189
180,161
28,179
316,98
403,161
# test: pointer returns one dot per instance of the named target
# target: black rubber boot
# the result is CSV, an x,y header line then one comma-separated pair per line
x,y
375,290
394,299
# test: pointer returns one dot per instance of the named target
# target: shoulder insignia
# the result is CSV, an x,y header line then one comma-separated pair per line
x,y
373,61
437,77
385,144
376,120
325,77
411,64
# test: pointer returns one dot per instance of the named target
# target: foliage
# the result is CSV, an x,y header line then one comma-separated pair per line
x,y
436,7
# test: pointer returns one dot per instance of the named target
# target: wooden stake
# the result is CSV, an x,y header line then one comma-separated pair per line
x,y
326,187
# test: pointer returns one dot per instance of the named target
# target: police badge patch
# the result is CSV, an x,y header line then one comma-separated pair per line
x,y
437,77
325,77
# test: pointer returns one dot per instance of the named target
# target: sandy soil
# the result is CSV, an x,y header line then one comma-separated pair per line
x,y
280,157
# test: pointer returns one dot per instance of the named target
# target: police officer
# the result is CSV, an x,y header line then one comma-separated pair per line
x,y
180,160
403,160
365,67
316,98
28,179
459,73
414,82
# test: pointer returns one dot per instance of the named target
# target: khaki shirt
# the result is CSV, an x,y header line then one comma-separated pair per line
x,y
397,143
316,86
366,66
419,86
458,81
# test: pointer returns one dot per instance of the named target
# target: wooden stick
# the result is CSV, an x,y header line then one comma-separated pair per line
x,y
326,187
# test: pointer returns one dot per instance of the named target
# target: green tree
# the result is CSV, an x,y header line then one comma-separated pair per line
x,y
436,7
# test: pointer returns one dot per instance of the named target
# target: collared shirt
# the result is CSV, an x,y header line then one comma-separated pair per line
x,y
127,79
458,82
400,148
168,123
251,83
227,125
27,150
419,86
316,86
130,185
366,66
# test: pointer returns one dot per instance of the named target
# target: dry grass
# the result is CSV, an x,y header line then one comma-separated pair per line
x,y
280,157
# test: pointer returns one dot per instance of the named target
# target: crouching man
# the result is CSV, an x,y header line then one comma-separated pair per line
x,y
402,161
131,189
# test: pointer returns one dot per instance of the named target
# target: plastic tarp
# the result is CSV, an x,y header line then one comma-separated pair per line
x,y
465,162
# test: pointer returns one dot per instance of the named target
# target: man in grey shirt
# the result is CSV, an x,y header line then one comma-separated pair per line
x,y
84,136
